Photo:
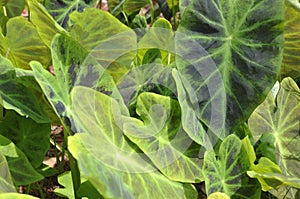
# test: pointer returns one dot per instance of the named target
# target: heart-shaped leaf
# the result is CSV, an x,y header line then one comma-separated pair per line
x,y
227,173
20,48
119,155
161,137
67,57
281,117
231,46
113,183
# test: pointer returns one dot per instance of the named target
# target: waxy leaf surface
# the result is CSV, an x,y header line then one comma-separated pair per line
x,y
23,44
231,46
117,160
281,117
227,174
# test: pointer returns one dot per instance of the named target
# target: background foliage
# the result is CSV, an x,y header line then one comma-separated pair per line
x,y
156,98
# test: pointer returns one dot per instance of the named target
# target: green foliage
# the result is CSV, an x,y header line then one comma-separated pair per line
x,y
240,44
6,182
149,110
20,168
280,117
290,66
23,132
20,50
227,174
60,9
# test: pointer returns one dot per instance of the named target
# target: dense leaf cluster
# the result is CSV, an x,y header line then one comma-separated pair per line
x,y
154,97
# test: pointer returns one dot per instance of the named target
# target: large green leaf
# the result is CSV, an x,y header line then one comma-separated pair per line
x,y
190,123
290,66
23,44
60,9
6,182
162,138
16,96
104,127
110,42
45,24
234,46
113,183
20,168
67,57
227,173
280,117
32,138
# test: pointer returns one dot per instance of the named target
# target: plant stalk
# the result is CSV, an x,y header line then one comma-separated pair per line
x,y
75,174
152,11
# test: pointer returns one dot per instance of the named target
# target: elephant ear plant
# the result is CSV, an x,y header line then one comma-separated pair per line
x,y
205,104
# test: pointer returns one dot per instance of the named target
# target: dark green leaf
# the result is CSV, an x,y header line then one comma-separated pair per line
x,y
31,137
233,47
20,168
16,96
115,6
87,189
265,147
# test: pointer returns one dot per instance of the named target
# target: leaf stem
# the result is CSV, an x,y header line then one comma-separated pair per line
x,y
75,174
174,16
38,186
152,11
